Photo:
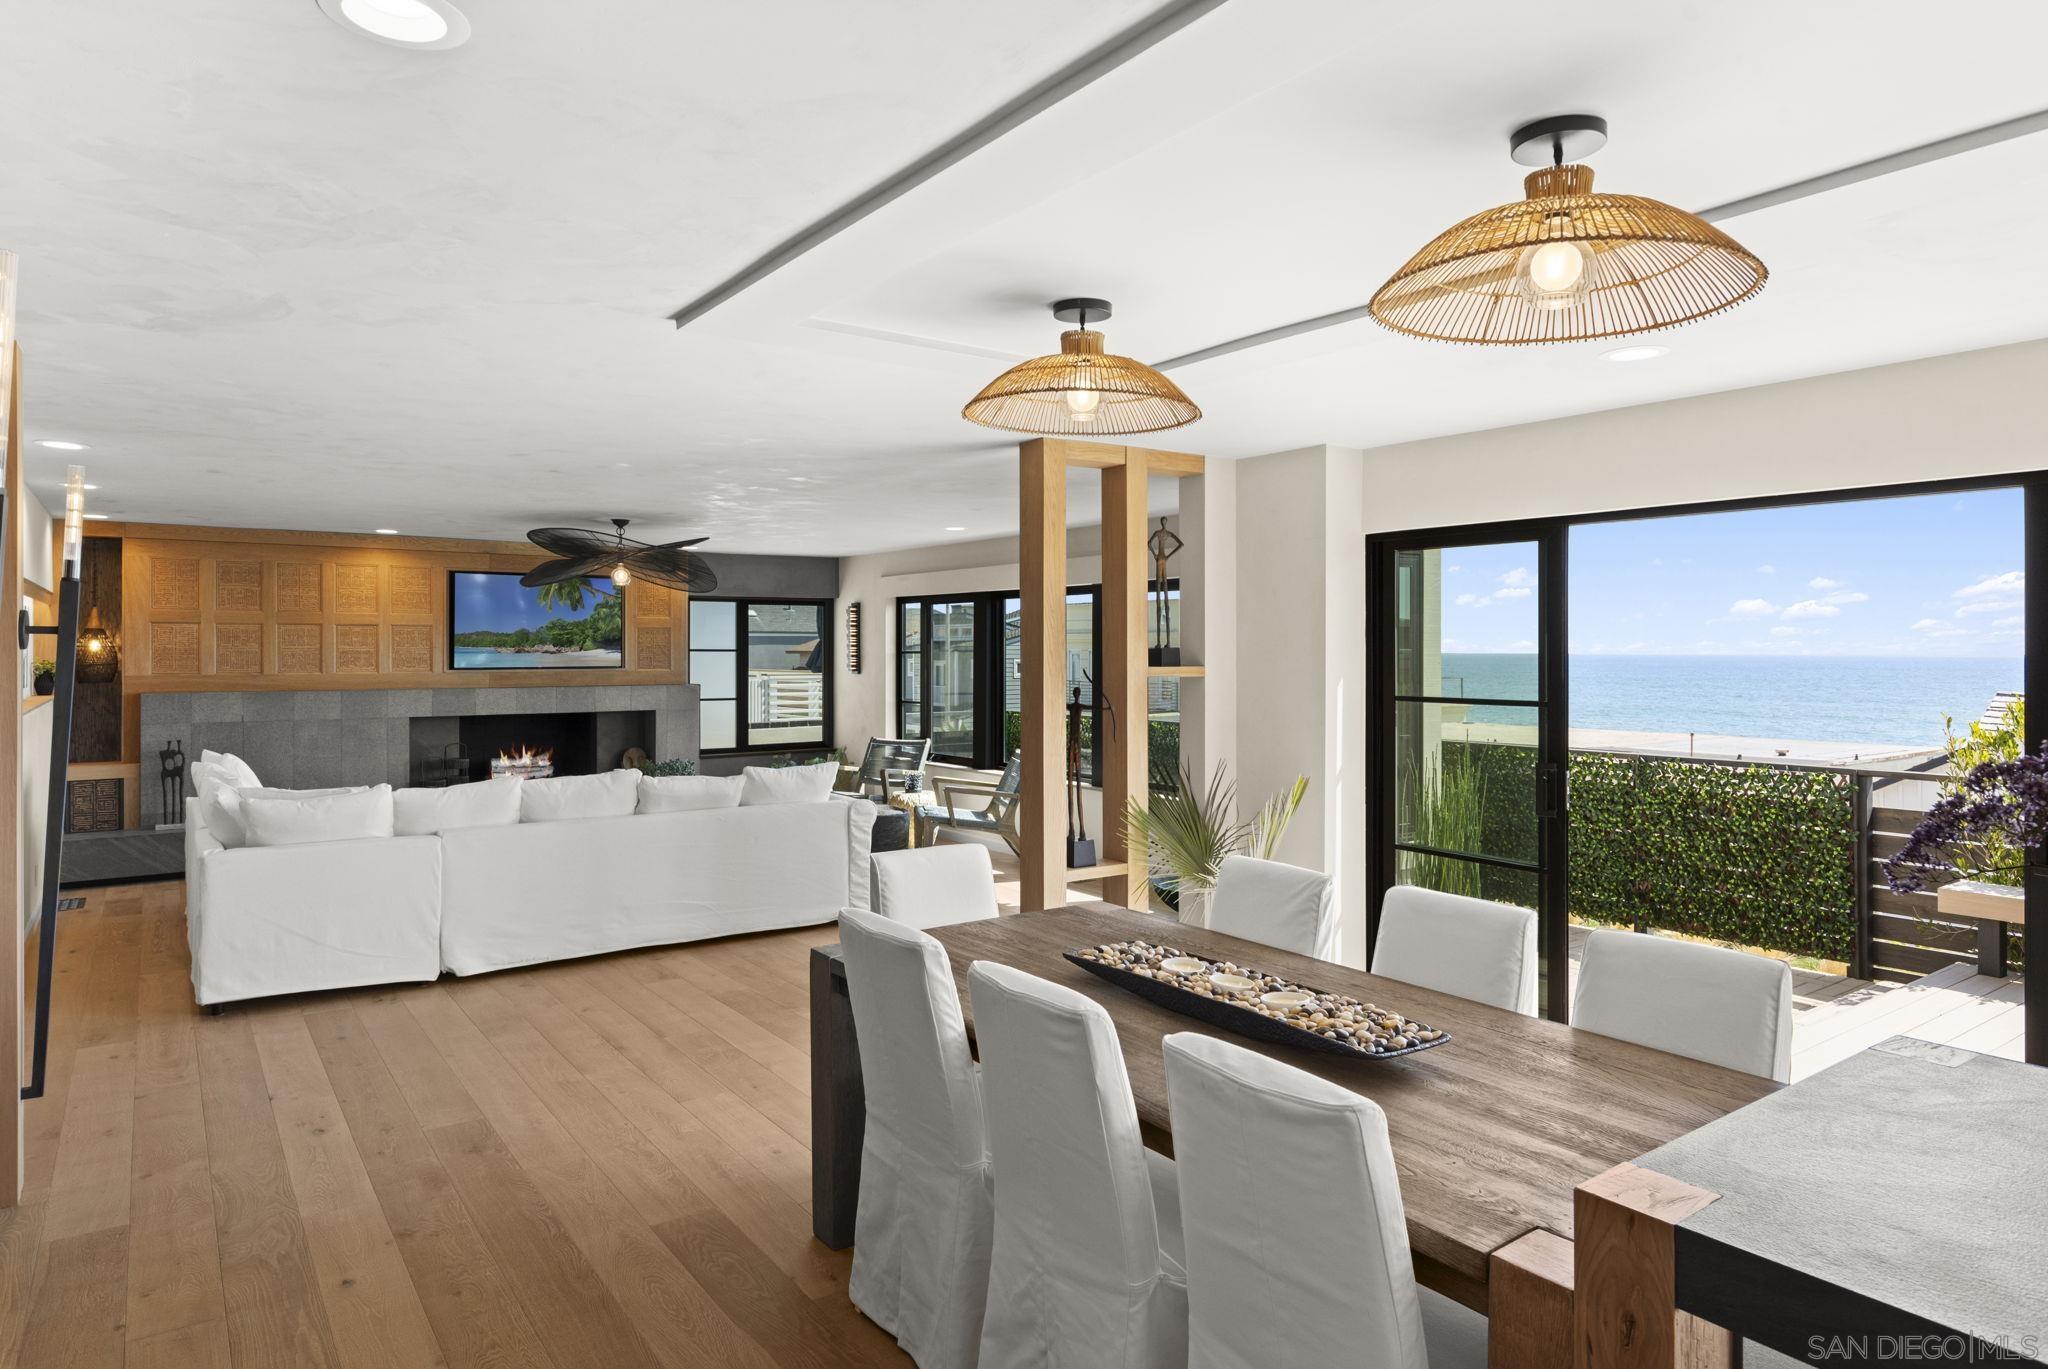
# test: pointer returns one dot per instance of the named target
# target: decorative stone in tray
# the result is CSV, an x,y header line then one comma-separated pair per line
x,y
1255,1004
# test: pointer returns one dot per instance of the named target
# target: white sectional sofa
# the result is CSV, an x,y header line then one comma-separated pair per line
x,y
266,920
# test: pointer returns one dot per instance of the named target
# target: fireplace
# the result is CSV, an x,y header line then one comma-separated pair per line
x,y
580,743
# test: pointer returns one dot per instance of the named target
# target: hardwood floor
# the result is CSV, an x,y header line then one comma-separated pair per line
x,y
597,1163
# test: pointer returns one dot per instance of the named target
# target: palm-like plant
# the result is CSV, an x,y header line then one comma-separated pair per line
x,y
1186,832
566,595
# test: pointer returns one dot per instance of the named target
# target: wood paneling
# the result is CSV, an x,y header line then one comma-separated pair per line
x,y
258,609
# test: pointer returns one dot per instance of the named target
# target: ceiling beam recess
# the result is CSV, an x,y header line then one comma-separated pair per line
x,y
1076,75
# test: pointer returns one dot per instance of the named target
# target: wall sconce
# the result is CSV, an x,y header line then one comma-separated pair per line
x,y
99,655
853,636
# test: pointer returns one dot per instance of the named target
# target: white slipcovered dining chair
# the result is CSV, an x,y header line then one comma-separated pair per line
x,y
1279,905
1703,1002
925,1220
1297,1243
1086,1268
1470,947
933,886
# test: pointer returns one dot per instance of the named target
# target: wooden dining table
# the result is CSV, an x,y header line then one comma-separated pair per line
x,y
1491,1132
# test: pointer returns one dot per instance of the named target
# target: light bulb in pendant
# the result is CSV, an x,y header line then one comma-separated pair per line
x,y
1082,404
1555,275
620,575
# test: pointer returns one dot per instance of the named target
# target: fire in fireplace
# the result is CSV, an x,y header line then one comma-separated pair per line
x,y
523,762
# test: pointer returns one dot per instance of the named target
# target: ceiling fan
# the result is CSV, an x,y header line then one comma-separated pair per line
x,y
580,553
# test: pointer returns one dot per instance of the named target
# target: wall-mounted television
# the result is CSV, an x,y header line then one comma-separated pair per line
x,y
496,623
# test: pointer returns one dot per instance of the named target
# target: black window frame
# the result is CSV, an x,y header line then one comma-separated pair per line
x,y
990,750
740,648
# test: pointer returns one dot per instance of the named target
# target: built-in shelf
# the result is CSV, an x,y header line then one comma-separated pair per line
x,y
34,701
1182,672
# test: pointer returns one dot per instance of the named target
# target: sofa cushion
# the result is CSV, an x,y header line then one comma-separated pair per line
x,y
244,776
564,797
766,784
426,812
294,821
220,806
688,793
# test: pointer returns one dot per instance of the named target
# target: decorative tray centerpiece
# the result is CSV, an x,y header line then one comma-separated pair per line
x,y
1257,1005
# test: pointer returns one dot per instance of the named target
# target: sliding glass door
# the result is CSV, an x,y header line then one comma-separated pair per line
x,y
1469,750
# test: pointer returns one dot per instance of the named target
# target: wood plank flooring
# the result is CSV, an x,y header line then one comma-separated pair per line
x,y
600,1163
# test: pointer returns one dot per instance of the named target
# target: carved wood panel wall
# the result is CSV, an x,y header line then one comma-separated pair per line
x,y
291,612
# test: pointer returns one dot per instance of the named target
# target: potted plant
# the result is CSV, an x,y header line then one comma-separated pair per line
x,y
1980,829
675,765
46,677
1187,832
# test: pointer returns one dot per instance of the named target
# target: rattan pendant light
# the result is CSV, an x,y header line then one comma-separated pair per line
x,y
1566,264
1081,390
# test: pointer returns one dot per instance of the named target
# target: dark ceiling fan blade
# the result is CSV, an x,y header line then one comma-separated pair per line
x,y
569,568
566,542
686,542
673,569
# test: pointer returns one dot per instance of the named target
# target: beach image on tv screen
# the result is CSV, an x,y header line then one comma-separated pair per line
x,y
500,624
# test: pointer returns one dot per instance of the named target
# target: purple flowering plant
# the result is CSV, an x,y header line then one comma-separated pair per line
x,y
1998,809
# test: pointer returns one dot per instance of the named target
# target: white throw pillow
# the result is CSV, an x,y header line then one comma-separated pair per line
x,y
244,777
220,807
295,821
564,797
788,783
486,803
688,793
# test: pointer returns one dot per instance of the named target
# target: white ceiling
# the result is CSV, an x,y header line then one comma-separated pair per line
x,y
276,274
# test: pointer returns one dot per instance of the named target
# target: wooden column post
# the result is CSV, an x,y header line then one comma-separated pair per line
x,y
11,1129
1042,505
1126,572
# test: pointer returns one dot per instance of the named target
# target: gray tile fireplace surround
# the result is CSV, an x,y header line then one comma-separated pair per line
x,y
313,739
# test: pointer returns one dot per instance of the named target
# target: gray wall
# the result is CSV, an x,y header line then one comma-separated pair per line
x,y
775,577
315,739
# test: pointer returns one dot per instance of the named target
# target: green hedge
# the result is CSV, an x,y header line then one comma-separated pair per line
x,y
1756,855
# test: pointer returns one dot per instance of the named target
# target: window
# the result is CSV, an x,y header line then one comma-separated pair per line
x,y
762,668
959,674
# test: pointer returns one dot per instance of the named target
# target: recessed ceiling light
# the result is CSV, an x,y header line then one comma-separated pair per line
x,y
97,517
92,487
956,529
424,25
1635,354
388,532
57,446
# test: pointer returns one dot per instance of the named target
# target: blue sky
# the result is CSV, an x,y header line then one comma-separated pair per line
x,y
1932,575
499,603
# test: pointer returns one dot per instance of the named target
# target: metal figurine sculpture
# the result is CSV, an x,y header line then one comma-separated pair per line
x,y
1164,544
1080,850
173,773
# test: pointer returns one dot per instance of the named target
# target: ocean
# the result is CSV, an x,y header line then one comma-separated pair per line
x,y
1804,698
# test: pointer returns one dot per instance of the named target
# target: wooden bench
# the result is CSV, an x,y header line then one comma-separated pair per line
x,y
1995,907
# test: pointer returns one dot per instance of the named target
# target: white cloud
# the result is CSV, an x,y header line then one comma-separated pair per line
x,y
1752,608
1513,592
1935,627
1811,608
1452,570
2011,582
1466,600
1766,570
2005,605
1822,582
1784,632
1520,575
1845,596
2014,621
